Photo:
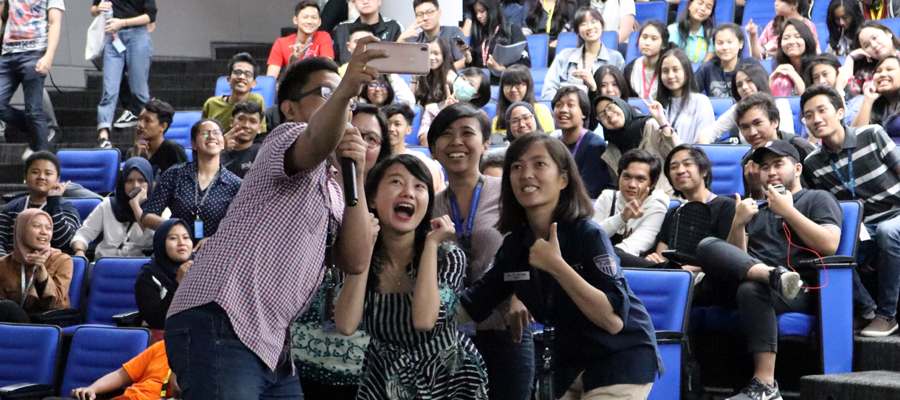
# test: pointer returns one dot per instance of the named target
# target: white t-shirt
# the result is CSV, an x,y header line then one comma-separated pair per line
x,y
612,11
28,28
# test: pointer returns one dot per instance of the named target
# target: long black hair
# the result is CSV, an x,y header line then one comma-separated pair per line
x,y
483,90
885,107
514,75
418,170
496,20
738,33
663,34
664,94
835,31
558,22
778,24
684,23
622,82
388,87
432,88
809,42
757,75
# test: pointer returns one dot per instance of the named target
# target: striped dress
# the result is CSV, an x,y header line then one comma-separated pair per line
x,y
402,363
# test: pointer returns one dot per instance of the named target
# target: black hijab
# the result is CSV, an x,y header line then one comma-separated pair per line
x,y
120,207
629,136
163,268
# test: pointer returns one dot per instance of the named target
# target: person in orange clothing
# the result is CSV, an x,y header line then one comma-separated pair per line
x,y
147,376
307,42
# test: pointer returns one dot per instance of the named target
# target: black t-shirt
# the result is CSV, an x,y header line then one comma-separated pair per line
x,y
168,154
714,81
721,212
239,161
132,8
765,232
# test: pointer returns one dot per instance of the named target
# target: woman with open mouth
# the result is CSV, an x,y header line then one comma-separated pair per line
x,y
881,105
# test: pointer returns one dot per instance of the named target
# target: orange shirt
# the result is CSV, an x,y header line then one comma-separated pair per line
x,y
282,51
148,371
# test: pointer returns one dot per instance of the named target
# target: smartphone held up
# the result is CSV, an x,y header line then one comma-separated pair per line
x,y
403,58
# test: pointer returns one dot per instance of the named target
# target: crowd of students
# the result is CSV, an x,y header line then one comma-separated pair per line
x,y
427,286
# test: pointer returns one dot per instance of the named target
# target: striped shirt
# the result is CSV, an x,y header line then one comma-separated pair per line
x,y
875,159
266,260
65,221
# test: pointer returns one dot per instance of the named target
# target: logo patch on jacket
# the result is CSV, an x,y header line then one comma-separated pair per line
x,y
606,264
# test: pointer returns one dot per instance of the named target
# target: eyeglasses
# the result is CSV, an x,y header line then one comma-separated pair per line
x,y
238,72
207,134
376,85
524,118
603,115
325,92
373,140
429,13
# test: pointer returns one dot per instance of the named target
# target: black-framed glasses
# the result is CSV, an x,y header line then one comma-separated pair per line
x,y
524,118
324,91
429,13
207,134
237,73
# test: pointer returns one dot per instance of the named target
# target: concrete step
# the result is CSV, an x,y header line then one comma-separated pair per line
x,y
205,80
869,385
874,354
259,51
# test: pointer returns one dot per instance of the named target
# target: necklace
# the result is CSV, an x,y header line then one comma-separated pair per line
x,y
395,277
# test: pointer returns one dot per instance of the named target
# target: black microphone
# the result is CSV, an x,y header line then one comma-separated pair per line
x,y
348,169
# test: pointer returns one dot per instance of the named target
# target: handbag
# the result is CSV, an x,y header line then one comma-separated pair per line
x,y
96,38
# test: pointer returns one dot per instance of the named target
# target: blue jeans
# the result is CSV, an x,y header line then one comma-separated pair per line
x,y
210,362
510,365
887,237
137,55
18,69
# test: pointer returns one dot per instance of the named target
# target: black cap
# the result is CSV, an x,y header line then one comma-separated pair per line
x,y
780,147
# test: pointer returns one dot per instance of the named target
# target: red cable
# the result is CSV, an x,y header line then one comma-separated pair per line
x,y
787,233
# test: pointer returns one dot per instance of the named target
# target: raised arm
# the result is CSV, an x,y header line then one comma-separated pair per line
x,y
426,298
822,239
354,241
744,210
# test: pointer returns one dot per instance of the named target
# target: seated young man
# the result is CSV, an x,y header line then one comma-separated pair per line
x,y
826,68
399,120
746,272
873,177
428,19
633,215
147,377
307,42
242,80
384,29
571,109
758,118
153,122
240,142
44,192
688,169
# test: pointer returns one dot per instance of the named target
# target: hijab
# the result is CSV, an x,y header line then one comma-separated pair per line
x,y
20,245
530,107
120,207
629,136
163,268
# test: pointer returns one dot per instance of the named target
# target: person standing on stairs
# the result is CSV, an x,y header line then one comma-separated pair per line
x,y
29,44
128,45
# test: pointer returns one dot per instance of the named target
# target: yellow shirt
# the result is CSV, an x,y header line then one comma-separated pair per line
x,y
544,116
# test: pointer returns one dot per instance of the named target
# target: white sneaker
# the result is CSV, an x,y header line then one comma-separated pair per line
x,y
126,120
28,152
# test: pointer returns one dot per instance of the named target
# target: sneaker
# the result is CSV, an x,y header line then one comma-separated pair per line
x,y
785,282
104,143
126,120
51,134
757,390
28,152
860,323
880,327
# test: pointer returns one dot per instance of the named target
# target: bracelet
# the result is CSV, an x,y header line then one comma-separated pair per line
x,y
663,127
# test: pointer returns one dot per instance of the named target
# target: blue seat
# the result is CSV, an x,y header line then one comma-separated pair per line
x,y
610,40
818,14
761,12
76,285
674,203
85,206
112,290
413,138
421,149
666,295
728,174
406,78
724,11
768,65
538,75
798,113
265,87
822,31
632,51
28,354
893,23
96,170
566,40
65,317
639,103
495,93
491,109
97,351
180,131
721,104
190,154
651,10
537,49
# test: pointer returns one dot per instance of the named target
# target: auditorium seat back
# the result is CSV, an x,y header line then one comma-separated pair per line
x,y
94,169
537,49
112,289
180,130
265,87
85,206
29,353
97,351
728,174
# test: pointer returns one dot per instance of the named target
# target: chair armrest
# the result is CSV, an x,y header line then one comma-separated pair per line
x,y
833,262
128,319
670,337
23,391
680,258
62,317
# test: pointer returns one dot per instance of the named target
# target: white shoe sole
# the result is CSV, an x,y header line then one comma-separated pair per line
x,y
790,285
879,334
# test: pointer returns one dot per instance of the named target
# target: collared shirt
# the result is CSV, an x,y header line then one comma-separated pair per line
x,y
696,45
875,162
177,189
265,264
570,60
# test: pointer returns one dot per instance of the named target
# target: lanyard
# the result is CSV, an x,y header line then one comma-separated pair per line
x,y
127,235
578,143
710,197
880,14
850,182
165,384
484,47
700,57
644,78
470,222
549,13
28,202
198,201
680,111
25,288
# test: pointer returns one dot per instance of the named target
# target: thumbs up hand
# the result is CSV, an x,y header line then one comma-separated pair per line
x,y
545,254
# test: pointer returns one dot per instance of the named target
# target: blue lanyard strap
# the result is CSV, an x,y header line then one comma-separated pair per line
x,y
470,222
578,143
850,182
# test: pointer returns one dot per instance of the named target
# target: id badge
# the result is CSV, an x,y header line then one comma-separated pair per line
x,y
198,229
117,43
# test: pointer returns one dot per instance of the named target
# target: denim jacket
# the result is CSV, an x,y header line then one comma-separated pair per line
x,y
569,61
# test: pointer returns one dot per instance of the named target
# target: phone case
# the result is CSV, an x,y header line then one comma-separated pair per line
x,y
403,58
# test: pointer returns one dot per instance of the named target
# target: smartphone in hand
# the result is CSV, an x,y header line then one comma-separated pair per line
x,y
403,58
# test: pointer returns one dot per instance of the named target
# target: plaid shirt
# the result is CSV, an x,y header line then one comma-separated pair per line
x,y
266,260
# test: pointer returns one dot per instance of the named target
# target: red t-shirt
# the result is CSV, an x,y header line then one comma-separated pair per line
x,y
281,50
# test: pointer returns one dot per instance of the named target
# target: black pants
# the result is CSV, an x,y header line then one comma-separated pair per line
x,y
10,311
725,285
313,390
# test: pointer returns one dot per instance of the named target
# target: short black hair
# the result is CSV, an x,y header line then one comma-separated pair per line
x,y
760,100
700,158
42,155
492,159
359,27
195,129
483,90
164,111
824,58
641,156
297,76
399,108
822,89
242,57
417,3
451,114
368,109
247,107
583,101
306,4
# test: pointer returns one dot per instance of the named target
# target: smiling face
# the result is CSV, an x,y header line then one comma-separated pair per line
x,y
685,173
135,179
536,179
824,73
398,128
481,13
39,233
308,20
377,92
650,41
435,57
634,180
792,43
784,8
745,85
757,128
610,115
609,86
460,147
249,124
672,73
239,81
727,45
178,244
700,10
887,76
590,29
370,130
401,200
821,117
567,113
41,177
876,43
515,92
209,140
521,121
778,170
428,15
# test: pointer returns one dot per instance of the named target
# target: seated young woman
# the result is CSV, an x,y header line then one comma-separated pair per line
x,y
796,47
693,31
522,119
714,77
491,29
653,40
764,45
387,90
687,110
516,85
158,280
843,26
34,277
874,42
881,105
611,82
